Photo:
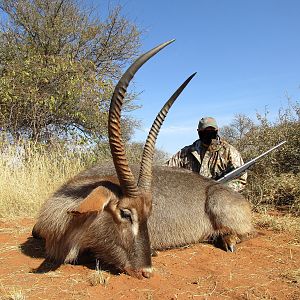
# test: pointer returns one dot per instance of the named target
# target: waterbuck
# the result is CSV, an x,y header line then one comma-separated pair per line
x,y
104,210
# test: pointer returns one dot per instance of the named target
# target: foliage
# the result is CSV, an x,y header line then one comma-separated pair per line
x,y
58,67
134,152
275,179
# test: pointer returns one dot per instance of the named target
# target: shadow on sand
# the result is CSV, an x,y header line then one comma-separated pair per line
x,y
35,248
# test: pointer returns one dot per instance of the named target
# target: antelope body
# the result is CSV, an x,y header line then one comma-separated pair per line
x,y
188,208
105,211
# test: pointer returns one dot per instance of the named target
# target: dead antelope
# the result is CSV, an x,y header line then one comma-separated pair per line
x,y
111,215
105,214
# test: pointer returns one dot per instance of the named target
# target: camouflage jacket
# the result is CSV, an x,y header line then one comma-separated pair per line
x,y
212,162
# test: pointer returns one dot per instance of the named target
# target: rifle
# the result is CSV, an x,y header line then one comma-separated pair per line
x,y
238,171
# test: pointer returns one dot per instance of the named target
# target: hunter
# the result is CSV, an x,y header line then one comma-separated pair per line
x,y
210,155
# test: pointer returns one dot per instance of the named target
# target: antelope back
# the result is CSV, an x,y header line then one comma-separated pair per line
x,y
188,208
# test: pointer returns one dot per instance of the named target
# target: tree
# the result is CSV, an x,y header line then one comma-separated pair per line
x,y
237,129
58,67
274,180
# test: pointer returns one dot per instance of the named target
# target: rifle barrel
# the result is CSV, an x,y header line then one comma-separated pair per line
x,y
236,172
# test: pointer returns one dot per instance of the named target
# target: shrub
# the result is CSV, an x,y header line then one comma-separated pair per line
x,y
274,180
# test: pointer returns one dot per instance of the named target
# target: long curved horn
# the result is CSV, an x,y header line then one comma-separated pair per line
x,y
145,176
126,178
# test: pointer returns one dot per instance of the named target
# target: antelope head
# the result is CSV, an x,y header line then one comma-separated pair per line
x,y
126,201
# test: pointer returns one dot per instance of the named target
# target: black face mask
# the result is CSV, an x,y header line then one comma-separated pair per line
x,y
206,136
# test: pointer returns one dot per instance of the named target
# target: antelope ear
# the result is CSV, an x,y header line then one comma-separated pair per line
x,y
95,202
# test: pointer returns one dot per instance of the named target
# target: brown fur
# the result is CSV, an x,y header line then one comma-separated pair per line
x,y
109,216
186,209
86,214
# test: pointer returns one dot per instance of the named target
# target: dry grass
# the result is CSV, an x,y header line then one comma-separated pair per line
x,y
99,277
278,223
25,184
292,276
30,173
11,293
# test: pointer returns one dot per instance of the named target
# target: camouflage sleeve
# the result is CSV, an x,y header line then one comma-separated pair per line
x,y
175,160
239,183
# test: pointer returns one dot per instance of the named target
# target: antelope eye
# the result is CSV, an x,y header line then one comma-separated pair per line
x,y
126,214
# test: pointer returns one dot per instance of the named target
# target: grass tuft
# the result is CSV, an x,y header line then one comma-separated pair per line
x,y
11,294
293,276
99,277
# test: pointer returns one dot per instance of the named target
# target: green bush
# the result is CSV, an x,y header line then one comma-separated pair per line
x,y
274,180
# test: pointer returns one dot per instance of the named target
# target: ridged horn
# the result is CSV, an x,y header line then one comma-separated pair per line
x,y
145,176
126,178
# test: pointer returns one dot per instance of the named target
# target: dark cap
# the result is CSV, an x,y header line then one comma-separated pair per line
x,y
207,122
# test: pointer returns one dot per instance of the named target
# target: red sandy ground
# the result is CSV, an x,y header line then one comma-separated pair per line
x,y
261,268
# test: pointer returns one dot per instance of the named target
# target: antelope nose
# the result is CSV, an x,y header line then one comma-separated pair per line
x,y
147,272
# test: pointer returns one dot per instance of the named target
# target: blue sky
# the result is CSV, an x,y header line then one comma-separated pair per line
x,y
246,55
